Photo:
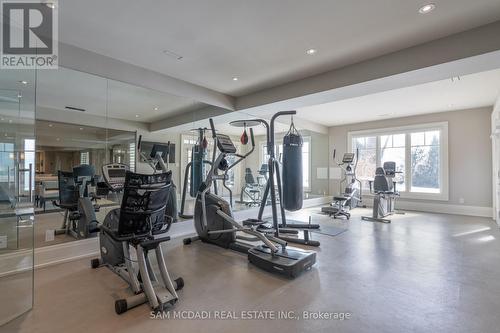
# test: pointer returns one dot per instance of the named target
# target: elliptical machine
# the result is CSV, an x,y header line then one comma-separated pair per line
x,y
135,224
351,196
195,170
251,191
215,224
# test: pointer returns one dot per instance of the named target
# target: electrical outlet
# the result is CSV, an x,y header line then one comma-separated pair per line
x,y
3,241
49,235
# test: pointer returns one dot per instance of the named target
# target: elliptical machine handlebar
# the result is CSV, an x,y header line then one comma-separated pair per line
x,y
212,127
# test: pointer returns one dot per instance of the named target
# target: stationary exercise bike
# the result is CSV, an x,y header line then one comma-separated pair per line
x,y
138,223
214,222
76,193
385,193
350,197
251,191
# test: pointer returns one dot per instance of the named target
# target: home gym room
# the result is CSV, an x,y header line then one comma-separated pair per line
x,y
191,172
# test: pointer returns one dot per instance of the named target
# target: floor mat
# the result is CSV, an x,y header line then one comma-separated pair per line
x,y
330,230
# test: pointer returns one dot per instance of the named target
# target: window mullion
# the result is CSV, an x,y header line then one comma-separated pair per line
x,y
378,153
407,175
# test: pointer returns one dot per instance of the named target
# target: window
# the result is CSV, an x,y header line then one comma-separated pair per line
x,y
306,159
425,160
131,152
367,158
420,153
84,157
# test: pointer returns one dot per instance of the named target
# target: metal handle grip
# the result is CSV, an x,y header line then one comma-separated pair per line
x,y
31,182
139,143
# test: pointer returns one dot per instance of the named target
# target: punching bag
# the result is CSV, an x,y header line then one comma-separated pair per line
x,y
171,209
292,170
197,169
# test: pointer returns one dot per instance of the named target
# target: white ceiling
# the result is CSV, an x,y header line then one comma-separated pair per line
x,y
470,91
222,125
57,89
263,42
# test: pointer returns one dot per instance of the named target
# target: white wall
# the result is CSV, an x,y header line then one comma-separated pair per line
x,y
469,153
495,149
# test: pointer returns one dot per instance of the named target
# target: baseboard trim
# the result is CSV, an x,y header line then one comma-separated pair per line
x,y
442,208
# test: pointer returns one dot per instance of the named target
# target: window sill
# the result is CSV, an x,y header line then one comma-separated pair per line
x,y
418,196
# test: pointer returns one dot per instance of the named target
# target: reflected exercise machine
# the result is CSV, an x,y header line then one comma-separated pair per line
x,y
195,170
350,196
76,193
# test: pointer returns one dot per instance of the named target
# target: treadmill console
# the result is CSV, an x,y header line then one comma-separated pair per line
x,y
348,158
114,175
225,144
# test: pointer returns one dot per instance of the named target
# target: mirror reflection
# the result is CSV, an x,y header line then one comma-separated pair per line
x,y
91,130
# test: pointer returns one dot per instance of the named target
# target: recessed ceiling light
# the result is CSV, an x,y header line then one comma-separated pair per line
x,y
311,51
81,128
172,54
57,139
137,116
2,119
50,125
24,82
156,108
10,121
425,9
235,78
386,114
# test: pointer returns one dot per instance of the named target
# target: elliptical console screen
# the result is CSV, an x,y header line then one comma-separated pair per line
x,y
225,144
348,158
114,175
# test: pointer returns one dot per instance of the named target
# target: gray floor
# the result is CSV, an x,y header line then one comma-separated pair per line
x,y
422,273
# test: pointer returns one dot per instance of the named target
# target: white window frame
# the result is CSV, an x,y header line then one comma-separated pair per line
x,y
407,130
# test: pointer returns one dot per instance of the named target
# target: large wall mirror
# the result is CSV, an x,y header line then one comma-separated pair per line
x,y
86,126
245,183
86,123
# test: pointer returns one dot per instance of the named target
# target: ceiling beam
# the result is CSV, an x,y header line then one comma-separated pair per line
x,y
187,118
89,62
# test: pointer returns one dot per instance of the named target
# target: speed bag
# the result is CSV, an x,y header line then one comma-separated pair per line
x,y
292,173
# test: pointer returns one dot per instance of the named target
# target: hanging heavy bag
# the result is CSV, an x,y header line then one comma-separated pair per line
x,y
292,170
